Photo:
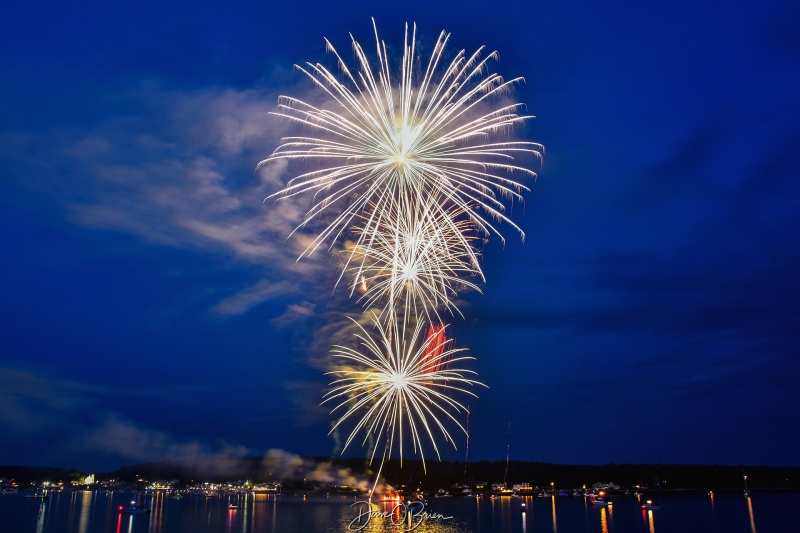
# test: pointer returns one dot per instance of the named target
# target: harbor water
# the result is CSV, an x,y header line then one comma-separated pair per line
x,y
101,512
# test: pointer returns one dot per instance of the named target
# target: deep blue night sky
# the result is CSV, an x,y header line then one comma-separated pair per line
x,y
151,307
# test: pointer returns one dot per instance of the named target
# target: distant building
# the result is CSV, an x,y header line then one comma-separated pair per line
x,y
88,480
606,486
267,488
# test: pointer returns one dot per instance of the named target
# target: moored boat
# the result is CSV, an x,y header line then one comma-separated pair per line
x,y
600,501
650,506
139,509
134,508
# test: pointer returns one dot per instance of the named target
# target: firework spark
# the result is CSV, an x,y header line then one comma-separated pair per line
x,y
398,386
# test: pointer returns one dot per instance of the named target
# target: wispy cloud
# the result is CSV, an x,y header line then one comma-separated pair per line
x,y
251,296
120,437
31,404
37,406
72,415
178,168
293,313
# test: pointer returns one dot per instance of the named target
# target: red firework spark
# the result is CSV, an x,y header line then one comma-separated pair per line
x,y
436,341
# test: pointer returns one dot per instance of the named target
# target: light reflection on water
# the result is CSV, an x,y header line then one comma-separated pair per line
x,y
603,520
98,512
611,515
555,522
750,512
86,505
40,517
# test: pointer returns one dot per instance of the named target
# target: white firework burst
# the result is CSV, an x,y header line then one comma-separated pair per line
x,y
412,166
397,386
426,134
416,266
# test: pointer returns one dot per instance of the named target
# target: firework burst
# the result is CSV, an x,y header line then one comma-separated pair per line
x,y
418,265
398,385
386,140
412,169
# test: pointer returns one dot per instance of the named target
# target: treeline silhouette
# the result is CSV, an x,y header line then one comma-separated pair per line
x,y
443,474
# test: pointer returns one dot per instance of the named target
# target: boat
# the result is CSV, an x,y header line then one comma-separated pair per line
x,y
134,508
441,493
599,501
267,488
650,506
232,507
139,509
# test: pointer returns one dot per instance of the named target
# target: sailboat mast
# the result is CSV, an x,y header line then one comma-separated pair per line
x,y
466,452
508,453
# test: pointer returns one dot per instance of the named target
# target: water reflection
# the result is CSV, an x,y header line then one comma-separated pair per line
x,y
610,508
505,513
603,520
586,512
231,517
246,506
72,499
40,517
750,511
128,526
648,520
258,507
86,504
157,512
98,512
713,510
274,513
